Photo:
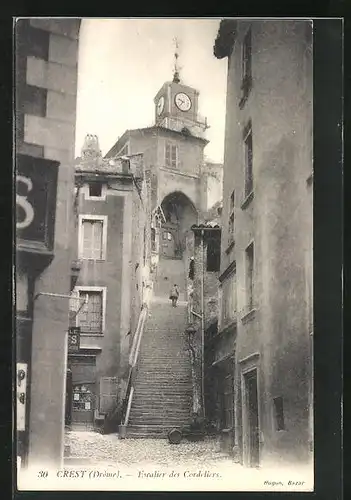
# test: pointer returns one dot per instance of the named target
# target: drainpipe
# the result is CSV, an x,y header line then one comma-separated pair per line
x,y
203,324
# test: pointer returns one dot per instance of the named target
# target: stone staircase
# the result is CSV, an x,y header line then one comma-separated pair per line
x,y
163,389
169,272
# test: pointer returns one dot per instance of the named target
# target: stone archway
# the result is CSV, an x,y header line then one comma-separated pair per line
x,y
180,214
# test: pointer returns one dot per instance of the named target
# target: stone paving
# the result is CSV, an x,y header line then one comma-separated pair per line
x,y
110,449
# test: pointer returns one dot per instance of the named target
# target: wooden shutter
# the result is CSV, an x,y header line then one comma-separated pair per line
x,y
174,157
97,239
87,228
108,394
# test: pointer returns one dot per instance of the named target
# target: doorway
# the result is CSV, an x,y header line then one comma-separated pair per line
x,y
81,392
251,420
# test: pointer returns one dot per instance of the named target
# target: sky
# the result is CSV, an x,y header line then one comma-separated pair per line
x,y
124,62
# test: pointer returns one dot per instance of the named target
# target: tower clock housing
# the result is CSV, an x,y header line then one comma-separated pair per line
x,y
176,108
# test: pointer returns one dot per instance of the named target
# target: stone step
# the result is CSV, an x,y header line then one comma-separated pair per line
x,y
158,419
149,430
167,408
179,378
169,422
162,389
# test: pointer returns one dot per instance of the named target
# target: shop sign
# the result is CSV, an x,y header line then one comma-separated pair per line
x,y
73,339
36,185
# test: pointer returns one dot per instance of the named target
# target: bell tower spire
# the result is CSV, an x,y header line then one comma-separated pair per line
x,y
176,69
176,104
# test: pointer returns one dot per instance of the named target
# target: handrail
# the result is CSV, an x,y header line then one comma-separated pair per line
x,y
133,357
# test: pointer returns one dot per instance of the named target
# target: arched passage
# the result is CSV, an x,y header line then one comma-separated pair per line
x,y
180,215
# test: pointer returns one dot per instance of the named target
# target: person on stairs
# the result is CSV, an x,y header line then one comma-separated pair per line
x,y
174,294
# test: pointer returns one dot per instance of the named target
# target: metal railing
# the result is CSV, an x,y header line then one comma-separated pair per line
x,y
134,356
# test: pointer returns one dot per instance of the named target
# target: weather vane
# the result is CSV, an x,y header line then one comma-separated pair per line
x,y
176,77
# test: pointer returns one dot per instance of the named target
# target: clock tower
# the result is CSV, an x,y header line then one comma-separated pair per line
x,y
176,107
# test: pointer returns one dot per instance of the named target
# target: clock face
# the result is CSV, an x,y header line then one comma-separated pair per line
x,y
160,105
182,101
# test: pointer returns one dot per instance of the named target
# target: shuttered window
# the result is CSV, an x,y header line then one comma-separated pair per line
x,y
93,232
92,239
171,155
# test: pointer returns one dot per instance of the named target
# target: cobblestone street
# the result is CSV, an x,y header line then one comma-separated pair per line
x,y
110,449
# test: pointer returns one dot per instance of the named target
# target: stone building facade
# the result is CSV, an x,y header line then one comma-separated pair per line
x,y
266,256
46,53
182,183
113,248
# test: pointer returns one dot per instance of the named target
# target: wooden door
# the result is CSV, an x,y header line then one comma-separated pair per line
x,y
252,419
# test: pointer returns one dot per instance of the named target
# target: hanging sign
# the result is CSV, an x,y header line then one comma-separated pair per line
x,y
73,339
36,185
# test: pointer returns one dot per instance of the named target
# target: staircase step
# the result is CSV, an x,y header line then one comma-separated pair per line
x,y
163,390
149,430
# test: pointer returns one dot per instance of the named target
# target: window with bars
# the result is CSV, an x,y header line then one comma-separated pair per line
x,y
248,159
90,316
171,155
93,237
249,255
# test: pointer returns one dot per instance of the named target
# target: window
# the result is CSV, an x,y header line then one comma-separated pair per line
x,y
279,413
95,189
167,236
171,155
213,253
231,219
90,316
249,274
248,159
92,237
229,299
246,67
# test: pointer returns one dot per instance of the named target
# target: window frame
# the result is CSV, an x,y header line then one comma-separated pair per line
x,y
229,296
231,218
171,146
248,161
249,287
92,217
86,191
246,67
82,288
